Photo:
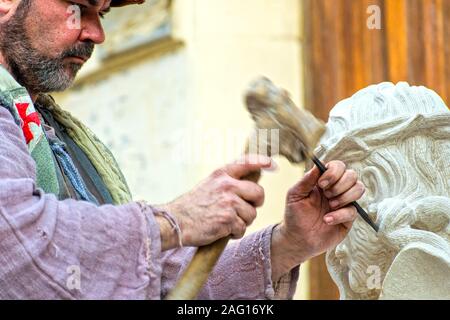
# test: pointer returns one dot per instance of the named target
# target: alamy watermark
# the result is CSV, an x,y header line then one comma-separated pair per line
x,y
374,19
74,20
374,279
214,146
73,281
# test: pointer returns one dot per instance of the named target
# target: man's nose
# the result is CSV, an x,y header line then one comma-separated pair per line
x,y
92,30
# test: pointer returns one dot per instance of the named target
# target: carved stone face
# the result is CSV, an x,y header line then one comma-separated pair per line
x,y
347,255
359,252
397,138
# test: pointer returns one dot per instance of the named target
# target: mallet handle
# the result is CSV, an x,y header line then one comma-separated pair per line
x,y
203,262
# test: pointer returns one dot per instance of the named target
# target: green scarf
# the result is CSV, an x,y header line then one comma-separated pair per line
x,y
18,101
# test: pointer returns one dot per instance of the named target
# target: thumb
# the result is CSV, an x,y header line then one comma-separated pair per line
x,y
249,164
307,183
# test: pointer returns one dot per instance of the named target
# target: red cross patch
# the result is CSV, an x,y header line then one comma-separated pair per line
x,y
27,119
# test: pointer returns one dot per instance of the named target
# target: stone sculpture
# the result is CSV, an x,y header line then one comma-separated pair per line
x,y
397,139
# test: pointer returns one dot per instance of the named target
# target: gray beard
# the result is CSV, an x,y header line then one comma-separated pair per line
x,y
32,69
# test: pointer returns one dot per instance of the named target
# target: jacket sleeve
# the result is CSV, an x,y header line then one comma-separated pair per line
x,y
52,249
242,272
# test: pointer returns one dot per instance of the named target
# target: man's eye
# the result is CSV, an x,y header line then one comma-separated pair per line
x,y
83,8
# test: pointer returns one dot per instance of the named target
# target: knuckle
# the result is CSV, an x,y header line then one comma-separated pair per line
x,y
216,230
335,172
346,214
332,192
351,213
252,215
342,165
242,227
236,236
229,229
228,201
291,191
353,176
361,187
226,232
260,195
337,165
218,173
226,184
226,218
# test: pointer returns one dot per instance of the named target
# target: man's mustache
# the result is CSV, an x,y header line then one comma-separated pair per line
x,y
84,50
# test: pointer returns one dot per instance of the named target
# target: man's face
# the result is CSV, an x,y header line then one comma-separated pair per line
x,y
46,42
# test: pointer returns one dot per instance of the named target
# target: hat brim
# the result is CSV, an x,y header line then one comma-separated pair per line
x,y
121,3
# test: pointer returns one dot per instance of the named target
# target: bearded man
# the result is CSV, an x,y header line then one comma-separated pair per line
x,y
66,210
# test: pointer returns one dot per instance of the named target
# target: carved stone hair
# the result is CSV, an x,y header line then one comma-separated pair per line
x,y
397,138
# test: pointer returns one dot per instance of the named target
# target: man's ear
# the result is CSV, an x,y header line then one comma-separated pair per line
x,y
7,7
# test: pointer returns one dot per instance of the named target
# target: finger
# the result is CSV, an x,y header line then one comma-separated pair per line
x,y
344,215
249,164
250,191
347,197
245,211
335,170
304,187
238,228
345,183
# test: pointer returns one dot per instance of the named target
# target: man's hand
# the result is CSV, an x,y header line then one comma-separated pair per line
x,y
219,206
317,217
